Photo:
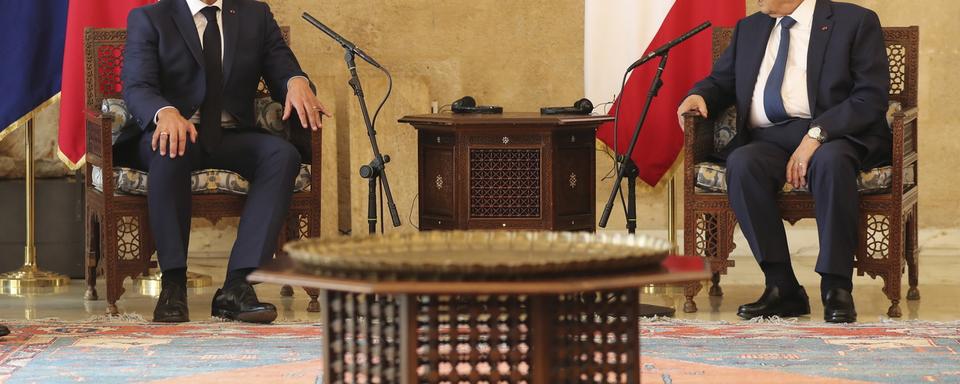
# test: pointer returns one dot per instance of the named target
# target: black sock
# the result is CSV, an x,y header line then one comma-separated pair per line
x,y
176,276
828,282
780,275
237,276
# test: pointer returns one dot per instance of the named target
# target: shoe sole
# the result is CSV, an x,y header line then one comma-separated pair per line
x,y
260,317
840,320
171,320
787,314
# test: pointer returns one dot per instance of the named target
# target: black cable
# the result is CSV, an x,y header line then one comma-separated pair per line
x,y
616,137
410,215
385,97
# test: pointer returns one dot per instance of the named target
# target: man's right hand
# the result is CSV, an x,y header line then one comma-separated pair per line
x,y
693,103
172,132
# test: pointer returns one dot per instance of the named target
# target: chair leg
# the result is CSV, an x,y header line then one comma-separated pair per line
x,y
893,274
690,291
912,255
286,291
715,289
93,253
110,258
314,304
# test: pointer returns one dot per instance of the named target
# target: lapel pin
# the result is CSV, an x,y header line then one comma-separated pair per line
x,y
233,11
823,28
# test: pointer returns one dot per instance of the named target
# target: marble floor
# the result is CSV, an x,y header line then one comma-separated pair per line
x,y
939,288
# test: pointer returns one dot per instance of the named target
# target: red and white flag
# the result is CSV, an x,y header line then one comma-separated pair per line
x,y
83,14
617,33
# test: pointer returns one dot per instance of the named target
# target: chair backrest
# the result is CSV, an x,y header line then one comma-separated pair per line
x,y
103,62
903,45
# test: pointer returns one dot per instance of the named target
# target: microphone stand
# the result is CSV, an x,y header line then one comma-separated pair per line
x,y
375,171
629,170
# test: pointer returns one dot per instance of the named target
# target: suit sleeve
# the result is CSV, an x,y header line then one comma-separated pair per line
x,y
141,69
719,88
871,81
280,65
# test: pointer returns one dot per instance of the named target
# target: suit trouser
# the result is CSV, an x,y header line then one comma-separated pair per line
x,y
756,173
270,164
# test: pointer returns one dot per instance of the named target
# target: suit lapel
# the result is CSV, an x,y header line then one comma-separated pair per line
x,y
231,33
820,33
188,29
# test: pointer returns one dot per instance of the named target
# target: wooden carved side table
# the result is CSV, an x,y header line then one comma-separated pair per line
x,y
482,307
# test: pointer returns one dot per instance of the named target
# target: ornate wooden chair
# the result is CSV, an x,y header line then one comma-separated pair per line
x,y
119,243
888,218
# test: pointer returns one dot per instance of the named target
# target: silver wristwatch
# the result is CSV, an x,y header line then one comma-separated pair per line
x,y
817,133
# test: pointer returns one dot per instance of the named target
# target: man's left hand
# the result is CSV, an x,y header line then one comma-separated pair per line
x,y
800,161
302,99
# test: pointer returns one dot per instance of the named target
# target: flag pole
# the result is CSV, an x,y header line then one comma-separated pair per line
x,y
29,277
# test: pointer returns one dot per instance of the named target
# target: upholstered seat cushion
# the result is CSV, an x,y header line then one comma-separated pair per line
x,y
129,181
712,178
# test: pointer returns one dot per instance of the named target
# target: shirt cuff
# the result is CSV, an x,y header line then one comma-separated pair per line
x,y
156,116
296,77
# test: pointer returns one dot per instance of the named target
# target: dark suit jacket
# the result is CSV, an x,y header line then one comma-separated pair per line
x,y
847,76
163,61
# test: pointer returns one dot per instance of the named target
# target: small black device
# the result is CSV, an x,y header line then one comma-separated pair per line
x,y
468,104
581,107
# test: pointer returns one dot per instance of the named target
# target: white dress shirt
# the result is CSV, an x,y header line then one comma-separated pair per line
x,y
794,91
226,119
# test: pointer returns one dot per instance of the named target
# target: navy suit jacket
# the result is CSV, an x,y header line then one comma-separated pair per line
x,y
847,76
163,61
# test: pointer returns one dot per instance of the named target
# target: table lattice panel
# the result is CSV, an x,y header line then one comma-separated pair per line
x,y
597,338
505,183
473,339
363,344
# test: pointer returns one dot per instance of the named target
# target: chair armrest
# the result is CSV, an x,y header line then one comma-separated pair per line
x,y
697,145
904,154
99,140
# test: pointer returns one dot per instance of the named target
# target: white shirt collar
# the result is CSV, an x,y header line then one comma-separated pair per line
x,y
197,5
803,15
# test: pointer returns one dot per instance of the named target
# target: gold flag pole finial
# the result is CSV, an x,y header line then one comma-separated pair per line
x,y
29,277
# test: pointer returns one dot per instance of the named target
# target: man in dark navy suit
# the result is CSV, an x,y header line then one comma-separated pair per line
x,y
809,79
190,76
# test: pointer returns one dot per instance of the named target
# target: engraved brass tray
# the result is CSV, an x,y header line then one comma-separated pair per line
x,y
481,255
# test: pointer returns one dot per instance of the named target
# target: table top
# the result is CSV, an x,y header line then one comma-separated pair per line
x,y
507,118
675,269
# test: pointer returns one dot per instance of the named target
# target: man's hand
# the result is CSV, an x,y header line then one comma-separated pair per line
x,y
302,99
800,161
693,103
171,133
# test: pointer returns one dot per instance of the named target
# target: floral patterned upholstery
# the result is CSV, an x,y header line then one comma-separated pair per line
x,y
131,181
206,181
711,177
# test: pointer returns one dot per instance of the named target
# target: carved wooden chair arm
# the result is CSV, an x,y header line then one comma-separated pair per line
x,y
904,157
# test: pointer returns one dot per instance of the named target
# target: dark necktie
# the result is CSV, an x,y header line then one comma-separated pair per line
x,y
212,108
772,98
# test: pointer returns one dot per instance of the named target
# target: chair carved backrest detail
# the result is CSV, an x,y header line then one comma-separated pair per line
x,y
902,45
103,63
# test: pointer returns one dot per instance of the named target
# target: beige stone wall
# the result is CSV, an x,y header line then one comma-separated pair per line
x,y
522,55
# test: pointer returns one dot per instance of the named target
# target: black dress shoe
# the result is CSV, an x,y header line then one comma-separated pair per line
x,y
4,330
772,303
239,302
838,307
172,305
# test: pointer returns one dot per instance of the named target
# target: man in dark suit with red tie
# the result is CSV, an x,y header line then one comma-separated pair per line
x,y
809,79
190,76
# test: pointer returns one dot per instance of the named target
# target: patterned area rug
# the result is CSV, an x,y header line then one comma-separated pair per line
x,y
673,352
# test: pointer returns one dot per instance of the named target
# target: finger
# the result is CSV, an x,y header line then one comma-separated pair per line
x,y
287,107
790,165
164,139
703,108
153,141
182,140
797,175
174,147
193,133
302,113
803,175
324,110
315,117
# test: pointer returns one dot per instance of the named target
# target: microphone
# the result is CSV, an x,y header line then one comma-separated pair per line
x,y
666,47
343,42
